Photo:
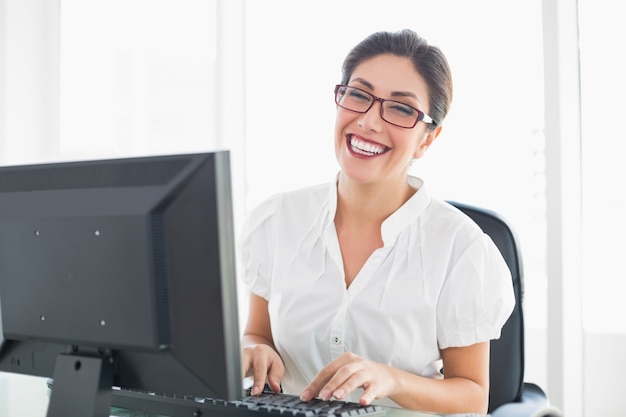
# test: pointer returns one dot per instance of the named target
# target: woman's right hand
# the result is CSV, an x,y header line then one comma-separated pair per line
x,y
259,357
263,363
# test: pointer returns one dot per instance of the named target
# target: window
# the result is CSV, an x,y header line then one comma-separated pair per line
x,y
137,77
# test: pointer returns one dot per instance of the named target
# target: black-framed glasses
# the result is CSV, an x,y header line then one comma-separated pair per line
x,y
392,111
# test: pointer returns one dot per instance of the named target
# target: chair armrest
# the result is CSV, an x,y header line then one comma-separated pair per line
x,y
534,403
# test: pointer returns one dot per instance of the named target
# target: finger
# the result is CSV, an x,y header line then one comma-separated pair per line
x,y
320,381
369,395
275,375
260,368
246,363
347,379
268,369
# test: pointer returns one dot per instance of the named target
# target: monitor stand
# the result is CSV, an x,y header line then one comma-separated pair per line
x,y
81,386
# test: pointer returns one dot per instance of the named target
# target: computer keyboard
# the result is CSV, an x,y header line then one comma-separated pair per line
x,y
267,404
291,405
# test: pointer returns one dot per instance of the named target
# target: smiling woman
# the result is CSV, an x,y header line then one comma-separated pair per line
x,y
363,288
485,154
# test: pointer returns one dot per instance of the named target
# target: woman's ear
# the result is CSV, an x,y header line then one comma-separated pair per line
x,y
428,139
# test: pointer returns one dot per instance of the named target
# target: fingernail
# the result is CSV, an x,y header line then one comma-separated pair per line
x,y
305,396
325,394
338,394
255,390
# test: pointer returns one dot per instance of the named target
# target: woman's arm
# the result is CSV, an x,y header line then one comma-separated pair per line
x,y
259,355
464,389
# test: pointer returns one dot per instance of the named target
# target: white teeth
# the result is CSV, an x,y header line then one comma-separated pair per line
x,y
365,148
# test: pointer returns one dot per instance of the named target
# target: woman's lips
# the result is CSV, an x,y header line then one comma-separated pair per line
x,y
365,148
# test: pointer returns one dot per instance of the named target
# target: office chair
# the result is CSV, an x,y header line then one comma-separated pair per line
x,y
509,395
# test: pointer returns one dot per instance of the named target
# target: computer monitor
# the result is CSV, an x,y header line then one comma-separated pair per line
x,y
120,272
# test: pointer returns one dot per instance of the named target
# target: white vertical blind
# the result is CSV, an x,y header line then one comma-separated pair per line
x,y
29,45
563,201
603,88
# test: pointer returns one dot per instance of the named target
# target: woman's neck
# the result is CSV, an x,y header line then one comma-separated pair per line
x,y
370,203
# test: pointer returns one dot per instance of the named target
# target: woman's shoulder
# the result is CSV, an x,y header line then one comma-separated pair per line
x,y
442,222
444,213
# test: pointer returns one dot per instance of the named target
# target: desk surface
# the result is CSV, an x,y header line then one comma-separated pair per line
x,y
390,413
25,396
120,412
183,408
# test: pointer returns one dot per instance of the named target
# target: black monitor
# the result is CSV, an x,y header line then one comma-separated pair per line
x,y
120,273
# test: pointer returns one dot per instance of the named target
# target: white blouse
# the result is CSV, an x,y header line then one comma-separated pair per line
x,y
437,282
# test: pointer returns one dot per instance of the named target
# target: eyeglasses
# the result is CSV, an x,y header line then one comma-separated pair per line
x,y
394,112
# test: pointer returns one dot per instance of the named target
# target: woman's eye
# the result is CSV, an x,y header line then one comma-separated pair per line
x,y
358,95
402,109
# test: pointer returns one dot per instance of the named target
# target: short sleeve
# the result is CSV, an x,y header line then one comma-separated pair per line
x,y
257,242
477,297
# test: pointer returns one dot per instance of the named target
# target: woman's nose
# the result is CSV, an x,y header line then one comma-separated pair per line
x,y
371,119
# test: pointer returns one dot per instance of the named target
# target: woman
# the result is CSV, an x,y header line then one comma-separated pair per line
x,y
364,289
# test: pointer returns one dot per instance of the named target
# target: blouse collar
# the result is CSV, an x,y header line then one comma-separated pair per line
x,y
399,220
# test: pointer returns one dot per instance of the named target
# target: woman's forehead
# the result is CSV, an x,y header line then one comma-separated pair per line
x,y
388,74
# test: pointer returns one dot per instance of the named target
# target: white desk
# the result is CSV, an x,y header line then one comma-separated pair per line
x,y
22,396
27,396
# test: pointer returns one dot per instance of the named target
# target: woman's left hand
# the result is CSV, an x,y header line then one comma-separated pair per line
x,y
347,373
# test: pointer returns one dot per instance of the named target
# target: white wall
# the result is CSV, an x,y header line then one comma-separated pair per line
x,y
605,364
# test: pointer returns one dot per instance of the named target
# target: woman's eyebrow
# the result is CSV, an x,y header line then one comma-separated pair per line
x,y
363,82
393,93
404,94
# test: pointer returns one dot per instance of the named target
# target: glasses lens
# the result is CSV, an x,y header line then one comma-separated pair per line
x,y
400,114
353,99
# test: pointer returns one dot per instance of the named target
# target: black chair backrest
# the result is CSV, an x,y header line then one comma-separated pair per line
x,y
507,353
